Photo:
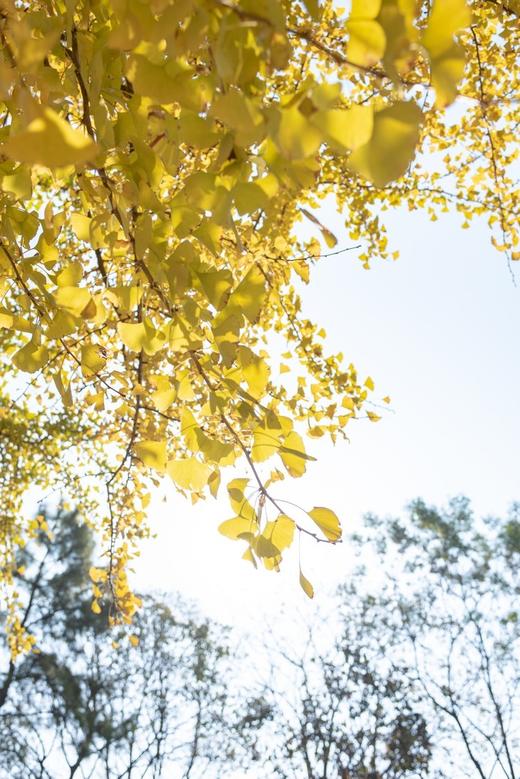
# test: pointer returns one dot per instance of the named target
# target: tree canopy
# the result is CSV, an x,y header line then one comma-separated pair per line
x,y
157,162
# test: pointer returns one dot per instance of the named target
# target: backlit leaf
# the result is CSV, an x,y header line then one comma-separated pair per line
x,y
327,522
51,141
306,586
392,145
189,473
152,454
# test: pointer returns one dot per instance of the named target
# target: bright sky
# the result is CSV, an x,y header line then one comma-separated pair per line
x,y
437,330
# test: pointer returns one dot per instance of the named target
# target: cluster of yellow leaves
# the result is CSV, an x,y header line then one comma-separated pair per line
x,y
156,158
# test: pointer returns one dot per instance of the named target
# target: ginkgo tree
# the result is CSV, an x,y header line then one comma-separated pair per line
x,y
157,158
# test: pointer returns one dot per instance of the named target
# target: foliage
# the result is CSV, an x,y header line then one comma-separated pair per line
x,y
83,705
158,159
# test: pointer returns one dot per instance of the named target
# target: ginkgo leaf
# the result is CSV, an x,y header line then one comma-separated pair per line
x,y
367,40
51,141
152,454
282,532
92,360
249,557
266,442
76,301
81,226
392,145
306,586
349,128
238,528
264,547
293,454
295,135
189,473
446,19
239,503
70,276
327,522
31,358
162,399
328,236
248,297
139,335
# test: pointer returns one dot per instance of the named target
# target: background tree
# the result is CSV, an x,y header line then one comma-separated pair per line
x,y
154,706
157,161
416,672
347,709
452,586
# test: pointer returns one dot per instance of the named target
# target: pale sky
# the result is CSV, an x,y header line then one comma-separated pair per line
x,y
437,330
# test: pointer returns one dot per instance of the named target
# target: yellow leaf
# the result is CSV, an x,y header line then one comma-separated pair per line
x,y
134,640
264,547
293,454
97,574
92,361
327,522
367,40
238,528
152,454
282,532
96,608
239,503
18,183
76,301
241,115
249,557
162,399
31,358
139,335
306,586
81,226
392,145
447,18
349,128
248,297
189,473
295,135
49,140
70,276
266,441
